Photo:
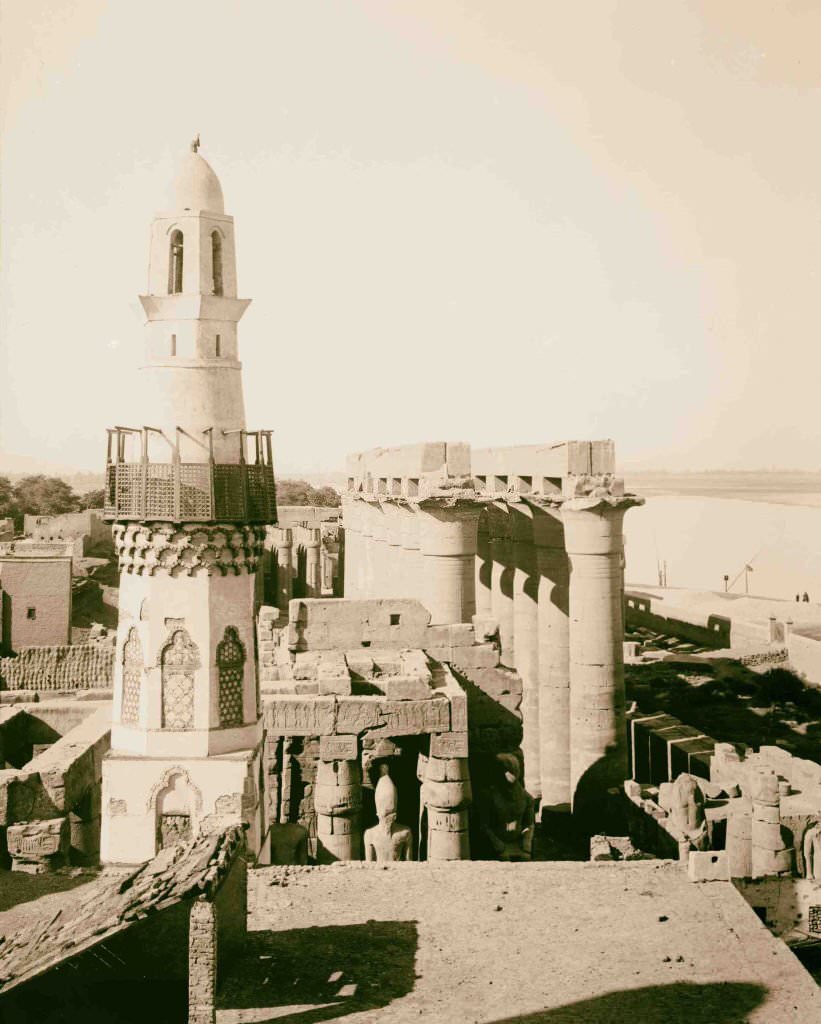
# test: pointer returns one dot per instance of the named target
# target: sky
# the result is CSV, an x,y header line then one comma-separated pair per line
x,y
498,222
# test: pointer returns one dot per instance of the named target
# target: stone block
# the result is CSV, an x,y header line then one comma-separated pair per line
x,y
300,716
306,665
386,662
338,748
404,688
437,636
404,718
462,634
37,846
357,714
708,866
360,663
449,744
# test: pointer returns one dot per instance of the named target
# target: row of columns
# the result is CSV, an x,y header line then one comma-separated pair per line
x,y
548,574
551,576
286,543
445,798
426,551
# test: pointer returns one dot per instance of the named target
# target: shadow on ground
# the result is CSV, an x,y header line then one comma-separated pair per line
x,y
371,965
17,887
724,1003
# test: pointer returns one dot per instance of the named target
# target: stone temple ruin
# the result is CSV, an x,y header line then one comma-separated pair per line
x,y
461,700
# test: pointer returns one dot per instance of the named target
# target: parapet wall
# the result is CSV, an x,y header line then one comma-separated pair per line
x,y
655,613
78,667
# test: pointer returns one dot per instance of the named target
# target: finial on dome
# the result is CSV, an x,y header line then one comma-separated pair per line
x,y
195,143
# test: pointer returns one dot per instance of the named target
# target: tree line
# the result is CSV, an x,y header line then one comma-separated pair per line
x,y
50,496
42,496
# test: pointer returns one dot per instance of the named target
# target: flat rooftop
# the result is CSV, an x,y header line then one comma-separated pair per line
x,y
558,943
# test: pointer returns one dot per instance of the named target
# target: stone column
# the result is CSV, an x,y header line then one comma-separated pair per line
x,y
285,570
366,590
446,794
337,801
411,554
526,637
202,962
739,837
553,657
598,731
447,540
313,562
484,570
395,584
501,591
379,546
352,569
770,855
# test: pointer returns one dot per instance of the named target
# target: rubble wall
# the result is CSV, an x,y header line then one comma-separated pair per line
x,y
64,667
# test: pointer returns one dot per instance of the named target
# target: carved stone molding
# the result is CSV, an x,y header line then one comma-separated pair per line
x,y
188,549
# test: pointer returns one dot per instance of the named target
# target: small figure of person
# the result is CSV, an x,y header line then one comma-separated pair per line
x,y
806,597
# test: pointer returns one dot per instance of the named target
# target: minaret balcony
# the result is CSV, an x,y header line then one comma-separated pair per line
x,y
178,491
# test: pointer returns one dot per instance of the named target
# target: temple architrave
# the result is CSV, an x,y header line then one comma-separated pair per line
x,y
188,490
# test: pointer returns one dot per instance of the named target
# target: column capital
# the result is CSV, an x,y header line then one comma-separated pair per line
x,y
593,525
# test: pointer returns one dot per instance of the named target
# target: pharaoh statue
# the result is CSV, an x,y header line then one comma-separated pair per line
x,y
687,812
812,852
388,840
507,813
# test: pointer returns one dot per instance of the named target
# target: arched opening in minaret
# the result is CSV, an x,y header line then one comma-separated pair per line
x,y
216,261
175,263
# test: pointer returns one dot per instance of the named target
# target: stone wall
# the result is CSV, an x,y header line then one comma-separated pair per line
x,y
804,648
80,667
656,614
790,907
88,527
36,596
65,780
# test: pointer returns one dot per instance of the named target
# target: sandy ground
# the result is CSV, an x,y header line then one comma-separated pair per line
x,y
554,943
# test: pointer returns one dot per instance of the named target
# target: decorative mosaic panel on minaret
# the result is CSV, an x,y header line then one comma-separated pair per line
x,y
132,678
180,659
231,668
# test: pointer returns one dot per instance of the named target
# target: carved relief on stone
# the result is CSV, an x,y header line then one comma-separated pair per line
x,y
179,661
215,549
230,672
132,678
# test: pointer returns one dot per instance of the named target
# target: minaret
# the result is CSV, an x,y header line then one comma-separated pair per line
x,y
188,491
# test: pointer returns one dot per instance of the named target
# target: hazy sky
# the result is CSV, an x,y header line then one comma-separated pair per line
x,y
501,222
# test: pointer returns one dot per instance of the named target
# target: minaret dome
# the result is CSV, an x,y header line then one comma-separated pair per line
x,y
195,186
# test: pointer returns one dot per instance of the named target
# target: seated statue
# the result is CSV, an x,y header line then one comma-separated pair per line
x,y
812,852
507,813
388,840
687,812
